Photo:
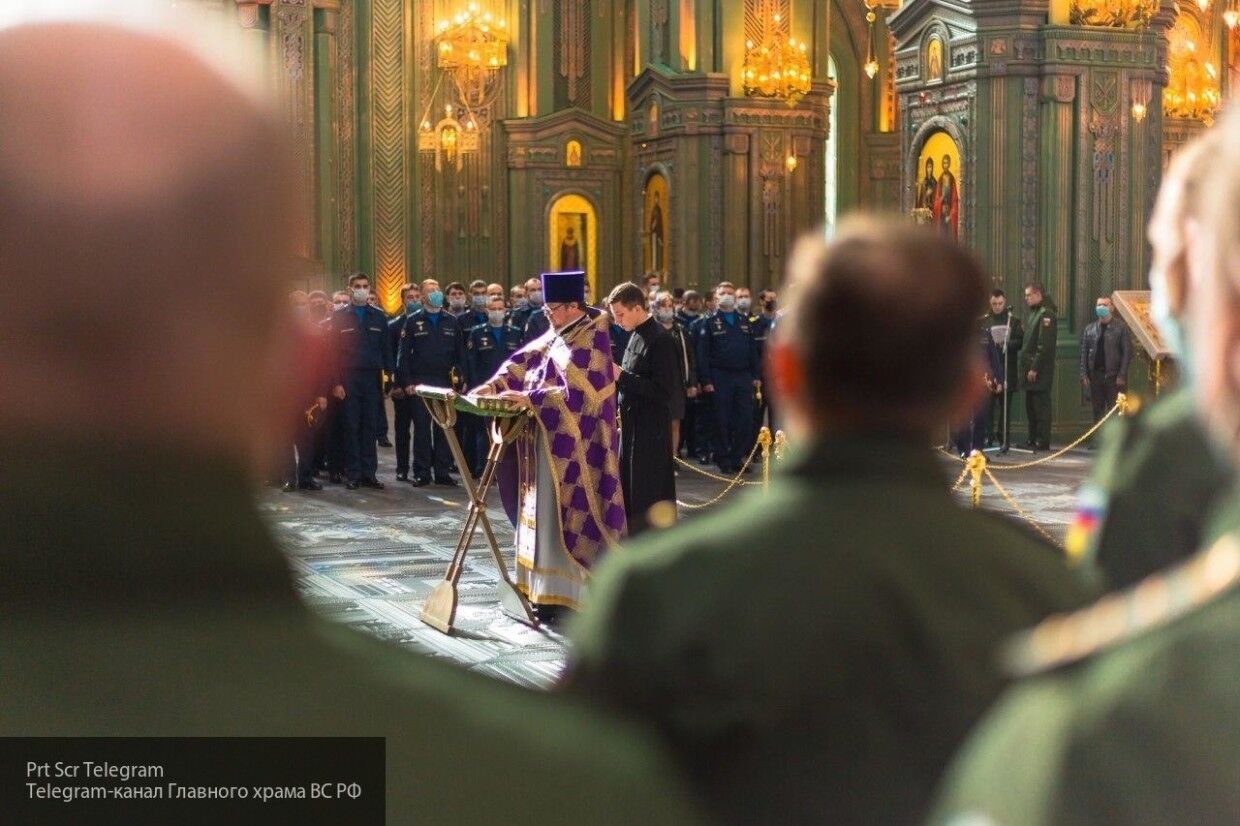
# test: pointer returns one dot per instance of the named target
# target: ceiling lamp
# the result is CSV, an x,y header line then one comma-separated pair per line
x,y
471,48
777,65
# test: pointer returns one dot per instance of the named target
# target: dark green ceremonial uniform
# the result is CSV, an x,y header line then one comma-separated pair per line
x,y
1156,477
817,652
1038,354
156,604
1129,715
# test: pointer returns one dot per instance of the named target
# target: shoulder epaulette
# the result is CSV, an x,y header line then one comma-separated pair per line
x,y
1153,603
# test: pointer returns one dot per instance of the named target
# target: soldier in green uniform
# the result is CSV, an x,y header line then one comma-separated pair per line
x,y
816,652
1137,517
1129,712
142,594
1037,361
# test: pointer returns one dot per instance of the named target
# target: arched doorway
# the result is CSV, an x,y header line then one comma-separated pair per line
x,y
572,238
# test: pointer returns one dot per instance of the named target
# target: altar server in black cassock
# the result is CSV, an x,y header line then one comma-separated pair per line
x,y
647,380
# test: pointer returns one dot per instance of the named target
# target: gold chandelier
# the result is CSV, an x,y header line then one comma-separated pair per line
x,y
1193,86
778,65
1114,14
472,47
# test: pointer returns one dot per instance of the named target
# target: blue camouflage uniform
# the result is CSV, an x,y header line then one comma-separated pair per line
x,y
728,360
363,352
432,348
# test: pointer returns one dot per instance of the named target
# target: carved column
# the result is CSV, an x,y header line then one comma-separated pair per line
x,y
292,37
345,136
326,125
1057,190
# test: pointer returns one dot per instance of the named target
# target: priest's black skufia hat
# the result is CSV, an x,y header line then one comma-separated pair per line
x,y
562,287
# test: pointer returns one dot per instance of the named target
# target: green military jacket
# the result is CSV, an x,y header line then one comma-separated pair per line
x,y
1129,711
1145,504
142,595
817,652
1038,352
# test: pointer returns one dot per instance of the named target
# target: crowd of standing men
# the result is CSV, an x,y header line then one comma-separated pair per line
x,y
459,336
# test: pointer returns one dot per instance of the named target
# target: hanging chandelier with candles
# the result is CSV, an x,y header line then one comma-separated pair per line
x,y
777,65
1114,14
471,47
1193,84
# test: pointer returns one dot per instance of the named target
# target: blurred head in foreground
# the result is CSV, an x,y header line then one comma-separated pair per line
x,y
133,166
1212,303
838,372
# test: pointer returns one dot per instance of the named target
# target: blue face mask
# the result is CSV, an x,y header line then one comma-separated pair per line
x,y
1168,325
412,307
1102,312
435,299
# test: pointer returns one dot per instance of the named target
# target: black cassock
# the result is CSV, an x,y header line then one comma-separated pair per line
x,y
649,378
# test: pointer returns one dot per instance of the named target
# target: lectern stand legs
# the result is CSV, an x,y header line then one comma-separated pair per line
x,y
439,610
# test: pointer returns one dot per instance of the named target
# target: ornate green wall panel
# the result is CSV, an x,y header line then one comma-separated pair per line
x,y
388,157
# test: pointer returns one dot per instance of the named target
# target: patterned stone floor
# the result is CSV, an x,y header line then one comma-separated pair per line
x,y
369,558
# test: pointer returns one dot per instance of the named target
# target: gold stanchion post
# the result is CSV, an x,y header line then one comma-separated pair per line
x,y
976,465
764,441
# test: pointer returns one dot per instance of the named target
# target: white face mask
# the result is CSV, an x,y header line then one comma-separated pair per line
x,y
727,303
360,295
340,305
743,304
535,297
496,317
664,315
457,303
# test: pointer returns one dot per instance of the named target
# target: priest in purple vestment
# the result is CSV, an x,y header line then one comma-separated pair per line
x,y
561,486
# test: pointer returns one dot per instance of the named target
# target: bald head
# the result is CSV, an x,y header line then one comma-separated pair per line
x,y
921,290
130,168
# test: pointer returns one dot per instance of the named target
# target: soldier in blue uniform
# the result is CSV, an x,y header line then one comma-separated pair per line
x,y
477,303
536,323
695,429
760,326
487,346
432,350
461,307
522,317
728,370
332,448
490,344
402,405
362,353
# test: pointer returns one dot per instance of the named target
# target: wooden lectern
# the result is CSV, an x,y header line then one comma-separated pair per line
x,y
508,420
